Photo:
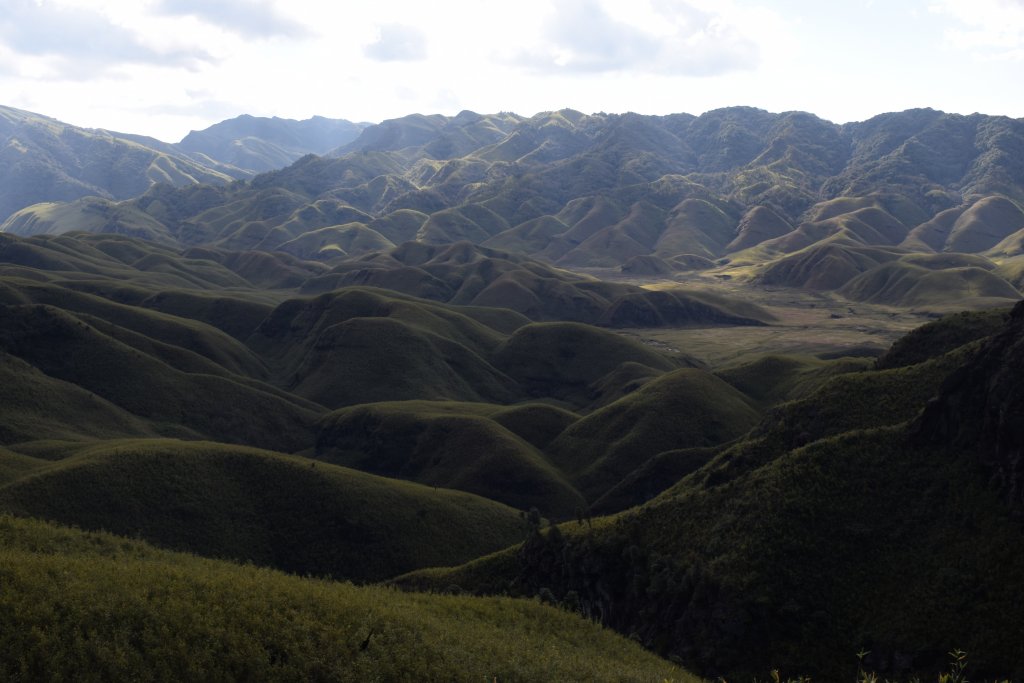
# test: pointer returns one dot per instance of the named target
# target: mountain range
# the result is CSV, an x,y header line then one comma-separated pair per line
x,y
45,160
872,209
590,397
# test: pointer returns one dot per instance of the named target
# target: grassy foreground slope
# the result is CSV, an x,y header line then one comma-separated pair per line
x,y
95,607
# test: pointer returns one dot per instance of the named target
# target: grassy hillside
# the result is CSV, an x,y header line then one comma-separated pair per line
x,y
837,547
453,445
564,360
36,406
16,465
466,274
901,283
770,379
45,160
291,513
683,409
824,533
984,225
681,308
828,264
943,335
89,214
71,350
97,607
758,225
362,345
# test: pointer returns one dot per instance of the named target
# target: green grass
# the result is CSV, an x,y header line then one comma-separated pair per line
x,y
683,409
826,264
350,239
698,227
634,235
36,406
900,283
562,360
454,225
94,607
676,308
68,349
942,336
758,225
945,260
835,527
188,333
238,316
14,465
89,214
364,360
293,321
262,270
652,477
453,445
986,223
529,236
847,402
535,423
772,379
241,503
399,226
856,541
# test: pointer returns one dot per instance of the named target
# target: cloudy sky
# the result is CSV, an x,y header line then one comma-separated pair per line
x,y
164,67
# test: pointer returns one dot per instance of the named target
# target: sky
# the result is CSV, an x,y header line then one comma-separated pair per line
x,y
165,67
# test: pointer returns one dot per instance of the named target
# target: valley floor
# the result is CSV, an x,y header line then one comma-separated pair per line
x,y
814,323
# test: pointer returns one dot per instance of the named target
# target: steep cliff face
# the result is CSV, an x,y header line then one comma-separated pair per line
x,y
981,410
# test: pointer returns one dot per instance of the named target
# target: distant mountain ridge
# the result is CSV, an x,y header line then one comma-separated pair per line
x,y
263,144
45,160
784,199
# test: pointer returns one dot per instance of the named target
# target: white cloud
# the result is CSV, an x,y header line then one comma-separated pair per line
x,y
398,43
991,29
671,38
143,65
249,18
76,41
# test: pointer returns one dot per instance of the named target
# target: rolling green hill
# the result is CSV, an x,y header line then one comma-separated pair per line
x,y
109,337
565,360
902,283
687,408
465,274
130,374
453,445
245,504
38,406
